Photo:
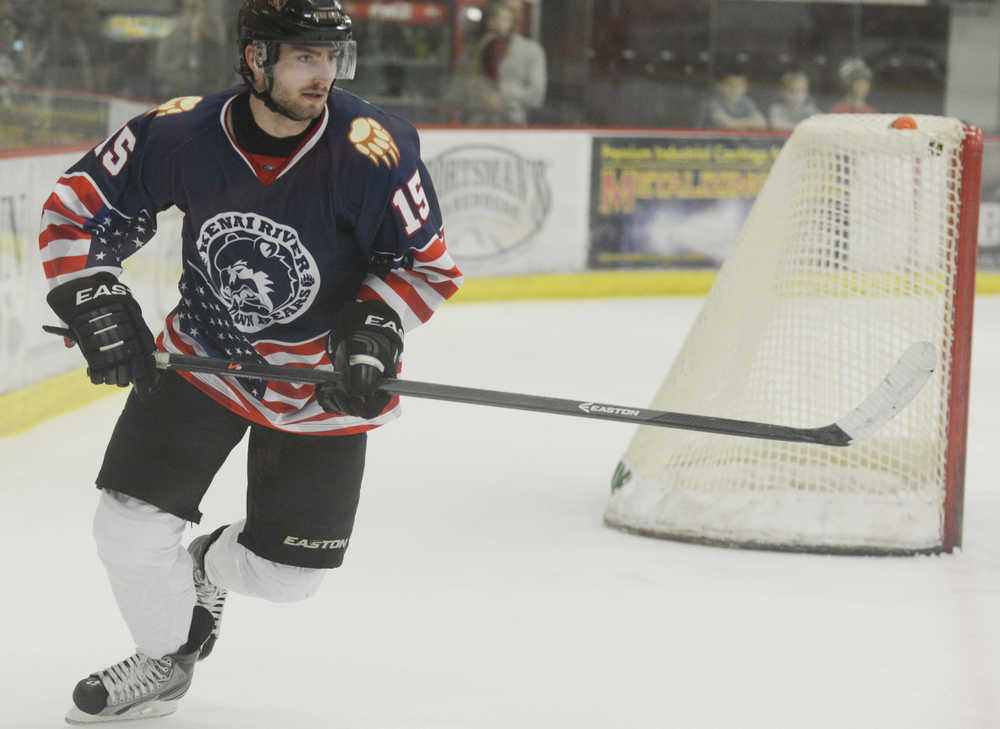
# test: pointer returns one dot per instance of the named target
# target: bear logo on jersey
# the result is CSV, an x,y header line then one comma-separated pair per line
x,y
258,268
249,286
373,141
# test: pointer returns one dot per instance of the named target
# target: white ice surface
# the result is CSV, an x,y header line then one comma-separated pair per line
x,y
482,590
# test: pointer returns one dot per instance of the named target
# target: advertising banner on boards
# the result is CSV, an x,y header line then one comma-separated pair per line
x,y
514,201
674,200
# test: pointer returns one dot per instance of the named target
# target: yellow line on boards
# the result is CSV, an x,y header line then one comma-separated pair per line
x,y
29,406
599,285
593,285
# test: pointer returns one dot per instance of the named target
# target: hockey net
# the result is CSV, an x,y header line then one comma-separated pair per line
x,y
862,242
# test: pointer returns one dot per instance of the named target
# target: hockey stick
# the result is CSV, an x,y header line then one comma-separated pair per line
x,y
899,387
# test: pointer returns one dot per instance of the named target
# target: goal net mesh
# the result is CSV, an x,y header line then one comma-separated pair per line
x,y
848,256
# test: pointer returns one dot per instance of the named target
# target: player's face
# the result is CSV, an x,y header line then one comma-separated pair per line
x,y
303,76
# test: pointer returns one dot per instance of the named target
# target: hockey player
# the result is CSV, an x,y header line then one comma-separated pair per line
x,y
312,235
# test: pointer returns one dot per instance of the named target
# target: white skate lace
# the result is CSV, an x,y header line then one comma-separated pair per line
x,y
210,597
135,678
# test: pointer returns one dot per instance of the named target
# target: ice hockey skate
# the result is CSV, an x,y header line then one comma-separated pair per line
x,y
140,687
210,596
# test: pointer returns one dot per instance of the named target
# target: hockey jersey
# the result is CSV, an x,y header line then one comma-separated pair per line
x,y
267,261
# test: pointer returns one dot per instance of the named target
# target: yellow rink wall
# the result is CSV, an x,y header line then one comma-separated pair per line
x,y
29,406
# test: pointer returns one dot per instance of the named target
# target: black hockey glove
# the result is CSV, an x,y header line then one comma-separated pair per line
x,y
364,348
107,323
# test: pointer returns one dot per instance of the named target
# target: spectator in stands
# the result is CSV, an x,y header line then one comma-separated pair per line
x,y
196,54
503,76
795,104
69,47
730,107
11,52
523,71
856,78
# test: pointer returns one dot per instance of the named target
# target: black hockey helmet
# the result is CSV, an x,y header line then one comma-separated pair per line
x,y
268,23
293,21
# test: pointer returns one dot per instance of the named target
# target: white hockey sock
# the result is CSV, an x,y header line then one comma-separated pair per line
x,y
230,565
150,571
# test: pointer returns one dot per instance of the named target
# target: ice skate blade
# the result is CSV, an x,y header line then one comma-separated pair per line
x,y
149,710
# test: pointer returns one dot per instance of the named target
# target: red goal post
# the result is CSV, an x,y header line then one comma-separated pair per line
x,y
970,165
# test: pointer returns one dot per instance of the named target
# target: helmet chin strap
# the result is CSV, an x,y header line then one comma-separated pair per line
x,y
270,103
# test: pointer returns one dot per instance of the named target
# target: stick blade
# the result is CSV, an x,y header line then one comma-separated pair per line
x,y
900,386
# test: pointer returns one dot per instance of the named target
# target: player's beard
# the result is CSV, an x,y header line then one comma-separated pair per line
x,y
296,106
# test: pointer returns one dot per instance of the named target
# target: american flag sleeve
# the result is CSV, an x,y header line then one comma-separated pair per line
x,y
411,269
102,209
